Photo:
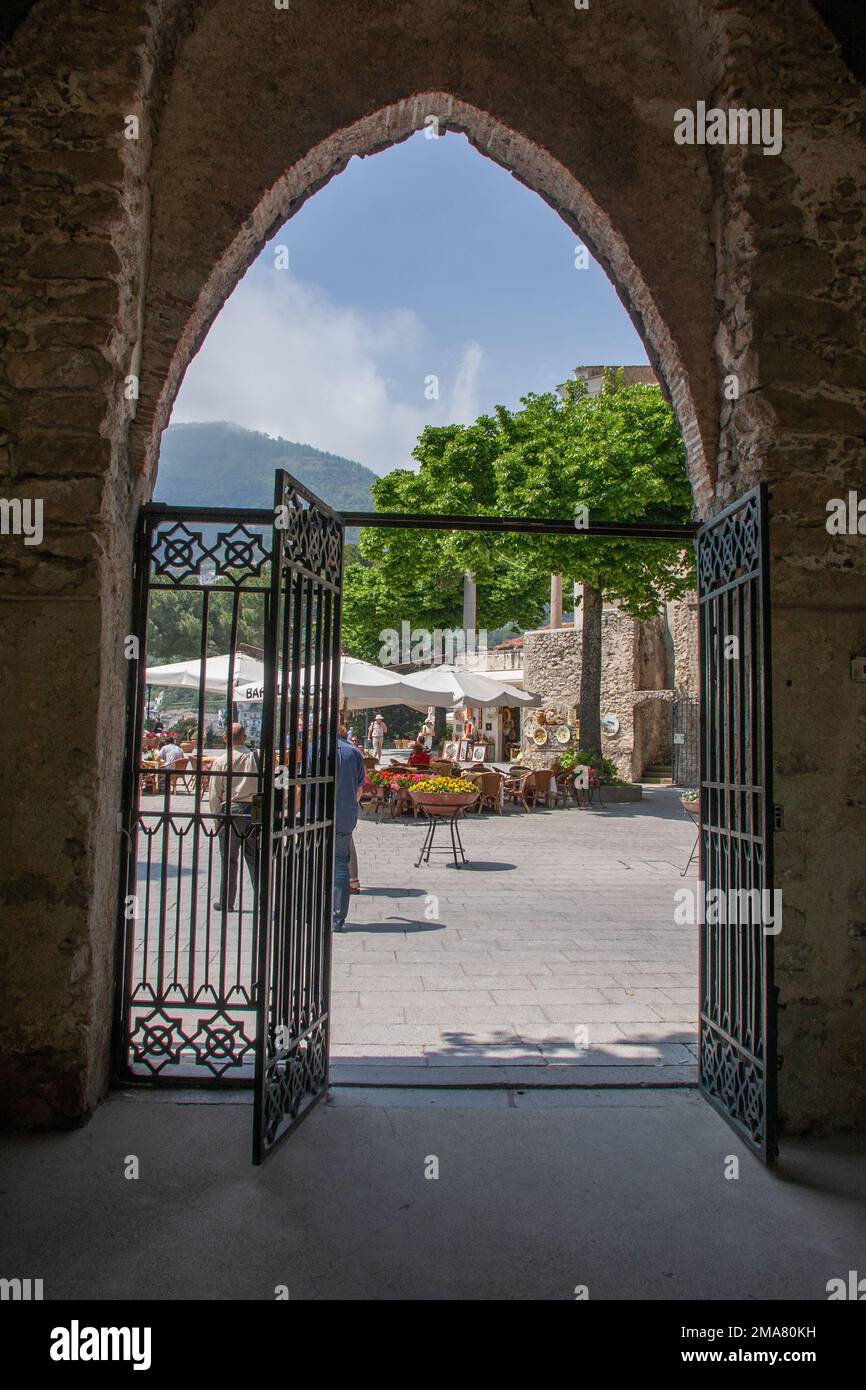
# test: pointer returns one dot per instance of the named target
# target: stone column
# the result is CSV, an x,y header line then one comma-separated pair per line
x,y
555,600
470,604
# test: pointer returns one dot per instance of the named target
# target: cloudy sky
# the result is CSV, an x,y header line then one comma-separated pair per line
x,y
424,261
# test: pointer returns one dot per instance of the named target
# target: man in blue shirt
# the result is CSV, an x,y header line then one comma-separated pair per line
x,y
350,784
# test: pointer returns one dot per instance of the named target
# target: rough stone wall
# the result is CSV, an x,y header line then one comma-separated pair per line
x,y
684,631
117,258
651,655
633,667
652,730
74,221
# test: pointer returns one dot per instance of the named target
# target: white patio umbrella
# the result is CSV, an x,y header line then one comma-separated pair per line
x,y
363,685
447,685
186,675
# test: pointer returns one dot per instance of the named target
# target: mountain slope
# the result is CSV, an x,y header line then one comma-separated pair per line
x,y
218,464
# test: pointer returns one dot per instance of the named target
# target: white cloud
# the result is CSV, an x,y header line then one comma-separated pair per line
x,y
284,359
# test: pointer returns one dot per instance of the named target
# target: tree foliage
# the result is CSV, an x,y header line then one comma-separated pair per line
x,y
619,455
175,623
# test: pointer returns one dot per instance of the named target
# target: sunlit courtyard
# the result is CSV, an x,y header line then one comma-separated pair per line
x,y
555,947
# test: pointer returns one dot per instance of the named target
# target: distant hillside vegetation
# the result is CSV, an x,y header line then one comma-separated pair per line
x,y
222,465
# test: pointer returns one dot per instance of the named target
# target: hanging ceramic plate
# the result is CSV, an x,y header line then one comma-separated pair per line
x,y
563,734
540,737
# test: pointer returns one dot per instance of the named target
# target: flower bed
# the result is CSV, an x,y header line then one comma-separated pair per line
x,y
396,778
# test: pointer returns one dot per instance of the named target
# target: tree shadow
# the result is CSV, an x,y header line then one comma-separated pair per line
x,y
391,925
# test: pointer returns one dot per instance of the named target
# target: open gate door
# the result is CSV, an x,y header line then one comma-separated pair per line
x,y
737,1067
300,720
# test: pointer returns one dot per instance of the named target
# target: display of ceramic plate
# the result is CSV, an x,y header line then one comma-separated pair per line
x,y
540,737
563,734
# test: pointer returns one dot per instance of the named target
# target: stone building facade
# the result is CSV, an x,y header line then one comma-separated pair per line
x,y
744,275
644,670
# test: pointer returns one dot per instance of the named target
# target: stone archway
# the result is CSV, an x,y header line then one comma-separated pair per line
x,y
731,262
512,151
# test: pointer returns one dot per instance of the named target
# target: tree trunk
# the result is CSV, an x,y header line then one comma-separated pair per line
x,y
440,727
590,672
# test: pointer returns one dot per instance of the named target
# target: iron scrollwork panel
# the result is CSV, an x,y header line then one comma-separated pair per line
x,y
299,738
737,994
185,1005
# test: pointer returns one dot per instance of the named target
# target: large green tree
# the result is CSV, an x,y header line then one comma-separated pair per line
x,y
175,623
417,576
617,456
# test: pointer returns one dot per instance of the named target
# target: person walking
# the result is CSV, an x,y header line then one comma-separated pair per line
x,y
231,798
349,785
376,734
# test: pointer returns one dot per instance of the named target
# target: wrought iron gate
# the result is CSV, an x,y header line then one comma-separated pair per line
x,y
238,989
299,738
686,723
737,994
222,967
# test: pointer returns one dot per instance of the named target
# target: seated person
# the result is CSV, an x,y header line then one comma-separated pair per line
x,y
170,752
419,757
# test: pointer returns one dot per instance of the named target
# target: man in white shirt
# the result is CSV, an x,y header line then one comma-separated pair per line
x,y
169,753
376,734
231,799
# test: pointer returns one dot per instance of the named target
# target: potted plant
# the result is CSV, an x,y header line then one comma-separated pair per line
x,y
441,796
601,770
690,801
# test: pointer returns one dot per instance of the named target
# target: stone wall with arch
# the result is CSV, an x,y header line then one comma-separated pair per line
x,y
119,253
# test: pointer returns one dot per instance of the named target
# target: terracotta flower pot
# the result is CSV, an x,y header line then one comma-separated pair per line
x,y
444,803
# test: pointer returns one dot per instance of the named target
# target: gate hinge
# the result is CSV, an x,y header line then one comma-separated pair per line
x,y
778,816
779,1060
256,809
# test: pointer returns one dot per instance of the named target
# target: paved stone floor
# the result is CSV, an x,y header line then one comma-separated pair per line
x,y
627,1192
555,947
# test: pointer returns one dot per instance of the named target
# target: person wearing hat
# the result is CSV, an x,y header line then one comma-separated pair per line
x,y
376,734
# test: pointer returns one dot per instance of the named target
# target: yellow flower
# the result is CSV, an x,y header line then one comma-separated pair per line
x,y
442,786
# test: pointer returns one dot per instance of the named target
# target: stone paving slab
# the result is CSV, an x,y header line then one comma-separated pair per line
x,y
371,1073
563,920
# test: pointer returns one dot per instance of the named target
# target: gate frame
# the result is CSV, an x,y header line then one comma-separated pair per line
x,y
767,1147
315,782
661,529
